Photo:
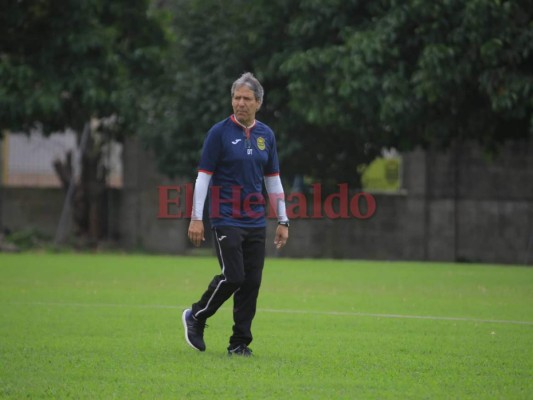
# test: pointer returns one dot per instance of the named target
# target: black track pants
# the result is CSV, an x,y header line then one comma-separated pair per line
x,y
241,254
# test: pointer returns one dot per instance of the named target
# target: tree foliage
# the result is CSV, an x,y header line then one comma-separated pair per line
x,y
75,63
420,72
345,78
65,62
210,52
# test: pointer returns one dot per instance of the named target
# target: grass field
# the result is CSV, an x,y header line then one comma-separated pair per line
x,y
108,326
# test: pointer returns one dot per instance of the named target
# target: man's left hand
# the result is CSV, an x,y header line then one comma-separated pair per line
x,y
282,235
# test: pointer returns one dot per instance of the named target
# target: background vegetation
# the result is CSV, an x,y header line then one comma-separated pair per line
x,y
344,78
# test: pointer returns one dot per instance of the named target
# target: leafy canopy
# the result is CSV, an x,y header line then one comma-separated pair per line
x,y
63,62
345,78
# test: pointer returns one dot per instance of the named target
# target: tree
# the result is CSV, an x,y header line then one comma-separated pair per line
x,y
64,64
418,73
216,42
200,73
345,78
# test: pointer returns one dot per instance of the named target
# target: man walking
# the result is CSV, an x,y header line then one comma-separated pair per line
x,y
239,155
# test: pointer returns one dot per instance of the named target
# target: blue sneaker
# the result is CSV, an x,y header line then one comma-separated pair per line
x,y
194,330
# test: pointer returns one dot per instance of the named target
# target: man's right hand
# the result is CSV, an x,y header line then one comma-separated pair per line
x,y
196,232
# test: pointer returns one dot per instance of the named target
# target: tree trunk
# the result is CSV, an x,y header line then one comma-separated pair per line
x,y
88,202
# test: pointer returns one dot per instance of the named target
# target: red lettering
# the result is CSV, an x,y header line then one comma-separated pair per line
x,y
301,205
370,205
273,204
235,201
342,197
165,201
336,205
317,200
249,202
189,192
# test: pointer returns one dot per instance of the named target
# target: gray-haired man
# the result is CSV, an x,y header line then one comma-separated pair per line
x,y
238,156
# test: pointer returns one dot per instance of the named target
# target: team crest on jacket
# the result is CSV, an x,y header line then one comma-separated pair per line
x,y
261,143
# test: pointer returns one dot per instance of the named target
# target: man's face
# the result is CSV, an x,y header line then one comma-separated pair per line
x,y
244,105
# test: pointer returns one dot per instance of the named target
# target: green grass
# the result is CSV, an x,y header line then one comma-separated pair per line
x,y
108,326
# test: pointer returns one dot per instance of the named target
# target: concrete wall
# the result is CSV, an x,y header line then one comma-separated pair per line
x,y
482,205
31,208
455,206
39,209
458,205
140,226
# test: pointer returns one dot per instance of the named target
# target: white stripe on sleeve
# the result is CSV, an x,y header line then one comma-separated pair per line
x,y
200,194
276,196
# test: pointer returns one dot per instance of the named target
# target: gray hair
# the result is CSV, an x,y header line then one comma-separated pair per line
x,y
249,80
